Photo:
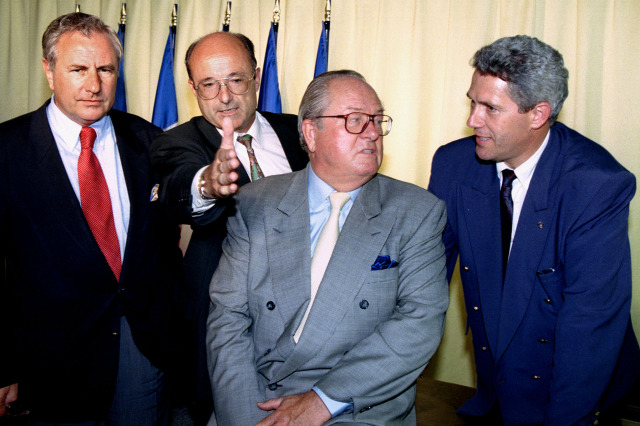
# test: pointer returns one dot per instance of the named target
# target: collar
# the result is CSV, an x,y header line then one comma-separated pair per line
x,y
319,192
524,171
68,131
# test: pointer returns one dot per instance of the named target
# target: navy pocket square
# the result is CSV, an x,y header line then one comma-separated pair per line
x,y
383,262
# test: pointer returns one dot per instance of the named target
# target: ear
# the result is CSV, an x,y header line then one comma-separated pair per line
x,y
308,130
193,88
540,115
257,79
48,72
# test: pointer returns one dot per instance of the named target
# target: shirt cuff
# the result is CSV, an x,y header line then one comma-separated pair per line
x,y
198,204
334,407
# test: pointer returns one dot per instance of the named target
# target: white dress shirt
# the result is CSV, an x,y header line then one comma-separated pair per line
x,y
66,133
524,173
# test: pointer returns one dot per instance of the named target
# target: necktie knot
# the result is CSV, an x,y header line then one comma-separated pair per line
x,y
338,200
508,176
87,138
256,171
245,140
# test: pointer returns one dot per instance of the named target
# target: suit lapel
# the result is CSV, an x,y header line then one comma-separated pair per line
x,y
362,237
135,168
289,140
56,190
529,242
481,209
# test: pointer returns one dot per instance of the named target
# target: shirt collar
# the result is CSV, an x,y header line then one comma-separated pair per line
x,y
524,171
255,131
319,192
69,131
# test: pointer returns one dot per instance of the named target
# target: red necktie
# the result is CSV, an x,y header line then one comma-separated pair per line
x,y
95,201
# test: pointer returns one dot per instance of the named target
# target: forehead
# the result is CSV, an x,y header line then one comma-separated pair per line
x,y
351,94
75,46
219,56
487,87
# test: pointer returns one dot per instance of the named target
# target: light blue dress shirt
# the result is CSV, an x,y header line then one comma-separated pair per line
x,y
319,210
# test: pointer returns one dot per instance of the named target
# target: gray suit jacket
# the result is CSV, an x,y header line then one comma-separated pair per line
x,y
369,334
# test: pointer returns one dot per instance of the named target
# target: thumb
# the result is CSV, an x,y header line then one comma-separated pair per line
x,y
271,404
227,133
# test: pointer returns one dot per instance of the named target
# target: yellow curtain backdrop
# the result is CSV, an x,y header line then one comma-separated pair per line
x,y
415,53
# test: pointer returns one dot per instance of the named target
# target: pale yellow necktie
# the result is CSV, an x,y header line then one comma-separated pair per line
x,y
324,249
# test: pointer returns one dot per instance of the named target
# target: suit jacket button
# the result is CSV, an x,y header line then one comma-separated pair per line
x,y
475,308
548,301
484,348
536,377
115,334
272,386
364,304
466,268
543,340
270,305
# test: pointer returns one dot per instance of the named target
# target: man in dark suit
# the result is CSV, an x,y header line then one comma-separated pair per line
x,y
308,329
538,215
200,173
90,262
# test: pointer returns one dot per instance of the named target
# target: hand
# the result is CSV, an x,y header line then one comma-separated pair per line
x,y
8,394
299,409
220,176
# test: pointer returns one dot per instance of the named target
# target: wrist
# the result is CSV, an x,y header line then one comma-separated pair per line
x,y
201,183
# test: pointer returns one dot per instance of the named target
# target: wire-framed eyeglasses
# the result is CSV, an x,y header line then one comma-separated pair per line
x,y
357,122
237,84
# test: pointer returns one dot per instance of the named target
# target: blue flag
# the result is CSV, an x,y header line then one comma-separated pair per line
x,y
165,107
322,60
269,88
121,97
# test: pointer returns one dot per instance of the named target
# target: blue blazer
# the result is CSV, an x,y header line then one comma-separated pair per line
x,y
554,344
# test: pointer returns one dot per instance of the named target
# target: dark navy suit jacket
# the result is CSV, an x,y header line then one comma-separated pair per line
x,y
60,304
554,344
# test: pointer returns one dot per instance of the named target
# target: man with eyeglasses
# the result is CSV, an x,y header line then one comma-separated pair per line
x,y
330,296
202,170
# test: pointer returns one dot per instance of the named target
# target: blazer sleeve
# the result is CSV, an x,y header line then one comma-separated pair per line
x,y
596,292
177,156
400,347
439,185
230,355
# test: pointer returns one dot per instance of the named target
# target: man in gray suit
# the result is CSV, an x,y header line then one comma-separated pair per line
x,y
350,349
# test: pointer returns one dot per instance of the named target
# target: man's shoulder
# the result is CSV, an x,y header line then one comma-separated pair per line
x,y
583,159
22,122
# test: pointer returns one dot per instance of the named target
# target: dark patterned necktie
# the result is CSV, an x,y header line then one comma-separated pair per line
x,y
256,171
506,213
95,201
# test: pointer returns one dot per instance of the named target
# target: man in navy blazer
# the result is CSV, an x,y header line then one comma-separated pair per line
x,y
552,336
83,341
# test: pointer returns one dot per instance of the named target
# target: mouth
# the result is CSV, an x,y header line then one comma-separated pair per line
x,y
482,139
368,151
229,111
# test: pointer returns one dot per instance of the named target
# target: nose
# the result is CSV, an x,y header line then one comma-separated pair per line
x,y
474,120
92,81
370,131
225,94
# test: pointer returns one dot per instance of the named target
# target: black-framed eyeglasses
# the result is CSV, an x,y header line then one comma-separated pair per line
x,y
357,122
237,84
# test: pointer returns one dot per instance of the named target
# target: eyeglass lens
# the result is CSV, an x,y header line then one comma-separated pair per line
x,y
238,85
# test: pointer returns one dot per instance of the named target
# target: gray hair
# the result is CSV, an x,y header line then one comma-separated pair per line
x,y
85,24
316,98
246,42
534,70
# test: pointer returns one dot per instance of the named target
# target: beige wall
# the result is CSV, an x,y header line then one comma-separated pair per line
x,y
414,52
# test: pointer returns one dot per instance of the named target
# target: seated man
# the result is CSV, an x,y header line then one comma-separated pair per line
x,y
301,331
